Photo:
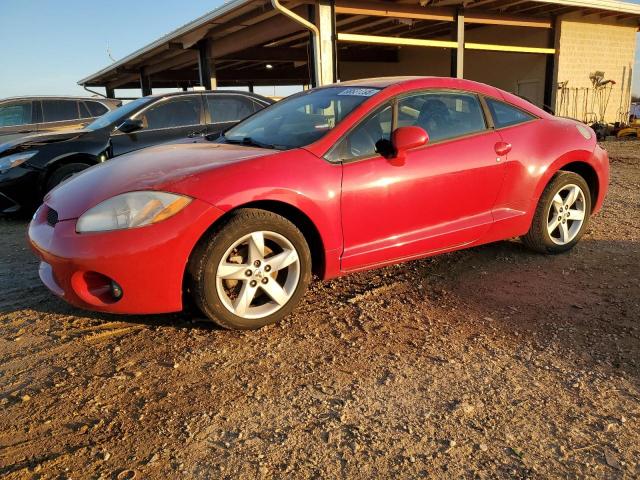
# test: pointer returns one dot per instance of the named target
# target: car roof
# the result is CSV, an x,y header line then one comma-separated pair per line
x,y
58,97
234,92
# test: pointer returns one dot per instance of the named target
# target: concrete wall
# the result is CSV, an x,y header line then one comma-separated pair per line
x,y
585,46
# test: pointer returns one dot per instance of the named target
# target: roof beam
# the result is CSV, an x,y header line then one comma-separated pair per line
x,y
379,9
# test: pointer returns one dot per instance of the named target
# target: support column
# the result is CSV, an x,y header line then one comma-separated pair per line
x,y
145,83
550,70
457,55
110,92
325,21
206,64
251,87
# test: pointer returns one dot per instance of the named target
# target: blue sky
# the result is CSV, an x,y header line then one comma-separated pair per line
x,y
46,46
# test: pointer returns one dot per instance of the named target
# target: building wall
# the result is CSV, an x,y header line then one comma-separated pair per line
x,y
519,73
587,46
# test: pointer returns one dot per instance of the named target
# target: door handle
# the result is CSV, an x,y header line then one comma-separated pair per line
x,y
502,148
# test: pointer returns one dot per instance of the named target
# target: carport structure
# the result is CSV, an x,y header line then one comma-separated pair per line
x,y
525,46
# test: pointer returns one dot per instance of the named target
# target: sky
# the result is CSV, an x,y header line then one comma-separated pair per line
x,y
46,46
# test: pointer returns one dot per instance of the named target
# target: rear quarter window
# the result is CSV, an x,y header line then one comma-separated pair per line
x,y
506,115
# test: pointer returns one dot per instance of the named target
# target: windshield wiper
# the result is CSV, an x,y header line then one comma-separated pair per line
x,y
249,142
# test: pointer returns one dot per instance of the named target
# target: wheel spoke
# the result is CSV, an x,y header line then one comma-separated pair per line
x,y
557,203
256,247
282,260
276,292
564,233
576,215
552,225
232,271
245,297
572,196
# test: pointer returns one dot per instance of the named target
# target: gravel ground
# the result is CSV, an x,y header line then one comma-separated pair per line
x,y
491,363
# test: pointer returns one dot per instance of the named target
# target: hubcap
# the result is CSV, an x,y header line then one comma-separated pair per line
x,y
566,214
258,274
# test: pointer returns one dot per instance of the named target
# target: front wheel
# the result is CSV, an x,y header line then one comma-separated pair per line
x,y
251,271
64,173
561,216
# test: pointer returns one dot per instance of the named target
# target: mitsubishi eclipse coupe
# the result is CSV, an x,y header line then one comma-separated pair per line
x,y
338,179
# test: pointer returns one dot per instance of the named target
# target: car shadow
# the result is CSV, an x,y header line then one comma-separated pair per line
x,y
586,299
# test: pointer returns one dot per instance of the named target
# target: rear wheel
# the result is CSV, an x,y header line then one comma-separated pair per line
x,y
63,173
250,272
562,214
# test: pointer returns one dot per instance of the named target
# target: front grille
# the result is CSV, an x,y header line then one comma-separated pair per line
x,y
52,217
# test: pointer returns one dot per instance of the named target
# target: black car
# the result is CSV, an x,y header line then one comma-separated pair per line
x,y
33,165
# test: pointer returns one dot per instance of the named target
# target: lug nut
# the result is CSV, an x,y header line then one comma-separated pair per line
x,y
256,263
253,283
248,273
265,280
267,268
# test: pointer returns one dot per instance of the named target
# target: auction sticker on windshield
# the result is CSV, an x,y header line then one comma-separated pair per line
x,y
359,92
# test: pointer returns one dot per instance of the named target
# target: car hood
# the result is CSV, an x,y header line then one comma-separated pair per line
x,y
154,168
40,139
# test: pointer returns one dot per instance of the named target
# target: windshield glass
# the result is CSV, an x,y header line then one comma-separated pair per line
x,y
119,114
301,119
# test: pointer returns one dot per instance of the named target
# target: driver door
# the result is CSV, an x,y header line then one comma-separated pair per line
x,y
440,198
178,117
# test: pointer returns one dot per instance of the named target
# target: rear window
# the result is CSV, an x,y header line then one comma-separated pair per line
x,y
505,115
96,108
59,110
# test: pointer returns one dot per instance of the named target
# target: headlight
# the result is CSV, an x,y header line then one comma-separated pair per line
x,y
14,160
131,210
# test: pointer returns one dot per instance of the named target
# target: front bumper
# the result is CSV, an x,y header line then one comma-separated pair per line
x,y
148,263
19,190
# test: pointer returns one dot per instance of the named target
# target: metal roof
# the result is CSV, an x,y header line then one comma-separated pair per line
x,y
234,10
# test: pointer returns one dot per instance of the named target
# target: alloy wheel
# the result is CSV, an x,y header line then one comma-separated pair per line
x,y
566,214
258,274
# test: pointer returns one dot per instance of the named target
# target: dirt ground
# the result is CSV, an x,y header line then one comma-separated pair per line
x,y
488,363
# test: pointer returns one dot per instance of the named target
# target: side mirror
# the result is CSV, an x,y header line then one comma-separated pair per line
x,y
130,125
406,138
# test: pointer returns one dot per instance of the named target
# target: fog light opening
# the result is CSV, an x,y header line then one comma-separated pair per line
x,y
116,290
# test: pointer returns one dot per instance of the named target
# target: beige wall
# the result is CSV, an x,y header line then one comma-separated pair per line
x,y
586,46
583,46
515,72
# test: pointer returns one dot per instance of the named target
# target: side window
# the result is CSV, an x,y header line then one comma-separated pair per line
x,y
96,109
505,115
59,110
84,111
171,112
443,115
229,108
361,141
15,114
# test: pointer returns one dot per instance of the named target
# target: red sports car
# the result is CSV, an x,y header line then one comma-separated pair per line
x,y
333,180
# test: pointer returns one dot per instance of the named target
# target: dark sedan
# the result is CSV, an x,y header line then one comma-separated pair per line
x,y
33,165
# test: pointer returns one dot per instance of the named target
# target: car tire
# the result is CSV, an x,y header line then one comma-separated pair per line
x,y
569,228
220,289
63,173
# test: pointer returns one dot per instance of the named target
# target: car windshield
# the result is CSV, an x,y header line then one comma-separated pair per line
x,y
300,119
117,115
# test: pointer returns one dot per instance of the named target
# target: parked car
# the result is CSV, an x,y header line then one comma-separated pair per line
x,y
20,116
334,180
33,165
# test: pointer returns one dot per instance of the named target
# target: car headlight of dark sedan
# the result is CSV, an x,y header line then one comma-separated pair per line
x,y
15,159
131,210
